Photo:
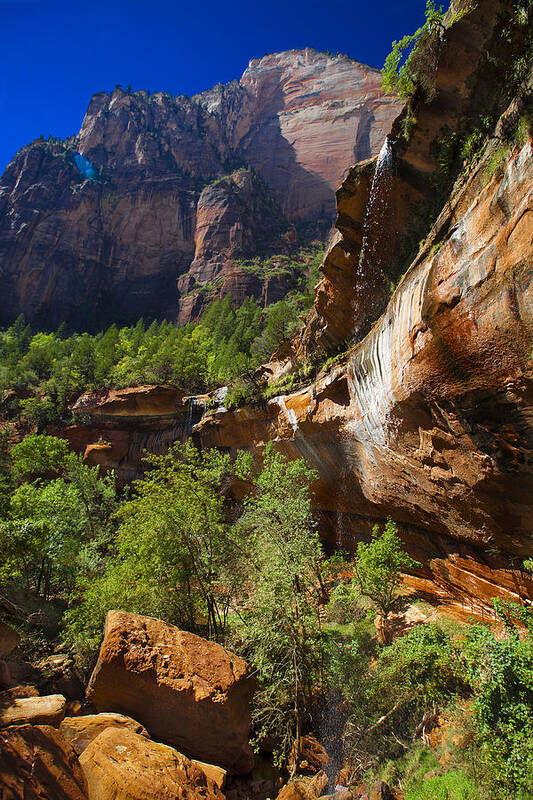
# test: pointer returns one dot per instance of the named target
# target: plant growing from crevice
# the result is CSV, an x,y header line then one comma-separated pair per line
x,y
410,67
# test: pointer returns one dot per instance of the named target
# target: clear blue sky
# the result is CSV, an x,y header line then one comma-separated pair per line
x,y
56,54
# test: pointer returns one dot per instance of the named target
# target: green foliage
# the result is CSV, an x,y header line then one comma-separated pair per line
x,y
244,390
411,65
227,342
38,456
379,565
500,670
305,372
344,606
175,554
51,524
281,629
452,785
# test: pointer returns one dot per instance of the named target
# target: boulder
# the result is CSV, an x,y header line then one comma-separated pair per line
x,y
8,696
58,673
48,710
217,774
9,639
188,692
122,765
308,788
37,764
80,731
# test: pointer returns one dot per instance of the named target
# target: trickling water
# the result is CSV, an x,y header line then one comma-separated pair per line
x,y
194,413
220,396
376,224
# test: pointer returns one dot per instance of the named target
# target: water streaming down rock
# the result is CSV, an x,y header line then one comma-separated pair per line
x,y
377,223
195,411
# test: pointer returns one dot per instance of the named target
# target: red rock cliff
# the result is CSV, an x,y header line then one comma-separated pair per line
x,y
428,416
94,252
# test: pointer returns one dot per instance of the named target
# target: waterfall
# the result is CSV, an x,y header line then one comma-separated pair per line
x,y
376,223
195,410
220,396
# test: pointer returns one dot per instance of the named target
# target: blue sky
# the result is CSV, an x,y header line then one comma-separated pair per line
x,y
54,54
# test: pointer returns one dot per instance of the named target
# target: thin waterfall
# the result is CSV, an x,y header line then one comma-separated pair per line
x,y
376,224
195,410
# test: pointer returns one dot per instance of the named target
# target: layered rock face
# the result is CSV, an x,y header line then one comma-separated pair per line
x,y
429,419
382,205
117,426
294,119
177,685
235,218
91,252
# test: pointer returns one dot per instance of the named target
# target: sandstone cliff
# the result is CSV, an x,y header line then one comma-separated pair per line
x,y
427,417
110,248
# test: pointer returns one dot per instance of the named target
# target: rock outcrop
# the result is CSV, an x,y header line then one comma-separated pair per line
x,y
236,218
48,710
186,691
121,765
429,418
36,762
104,238
116,426
80,731
383,205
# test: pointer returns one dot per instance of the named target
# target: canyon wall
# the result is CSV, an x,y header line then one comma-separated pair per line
x,y
427,414
181,188
429,419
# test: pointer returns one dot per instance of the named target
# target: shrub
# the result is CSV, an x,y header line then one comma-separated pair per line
x,y
411,65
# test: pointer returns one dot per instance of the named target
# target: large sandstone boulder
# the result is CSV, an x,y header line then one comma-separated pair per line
x,y
187,691
80,731
48,710
37,764
121,765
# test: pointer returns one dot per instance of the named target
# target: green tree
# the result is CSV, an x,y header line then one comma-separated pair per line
x,y
500,671
38,456
176,555
51,523
281,627
379,565
411,64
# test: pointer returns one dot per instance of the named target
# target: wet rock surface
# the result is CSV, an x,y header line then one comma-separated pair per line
x,y
429,418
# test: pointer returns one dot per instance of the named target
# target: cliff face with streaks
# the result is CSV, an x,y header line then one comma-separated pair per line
x,y
165,211
427,416
429,419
